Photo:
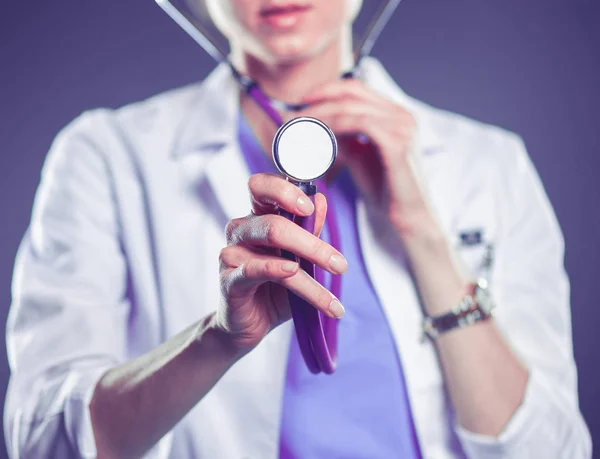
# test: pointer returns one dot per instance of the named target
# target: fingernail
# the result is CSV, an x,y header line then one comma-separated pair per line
x,y
289,266
338,264
305,205
336,308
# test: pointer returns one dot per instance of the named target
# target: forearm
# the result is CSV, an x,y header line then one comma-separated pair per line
x,y
137,403
485,379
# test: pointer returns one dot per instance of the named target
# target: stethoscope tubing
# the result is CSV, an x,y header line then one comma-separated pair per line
x,y
316,333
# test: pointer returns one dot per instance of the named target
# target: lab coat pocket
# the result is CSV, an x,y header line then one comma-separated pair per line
x,y
476,252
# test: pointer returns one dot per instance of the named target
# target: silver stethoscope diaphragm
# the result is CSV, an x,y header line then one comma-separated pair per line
x,y
304,149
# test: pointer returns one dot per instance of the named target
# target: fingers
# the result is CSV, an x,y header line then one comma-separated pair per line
x,y
243,271
389,129
320,213
345,89
234,256
269,192
351,117
314,293
348,116
275,231
350,107
246,278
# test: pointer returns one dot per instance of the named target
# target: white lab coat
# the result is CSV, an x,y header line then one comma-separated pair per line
x,y
122,254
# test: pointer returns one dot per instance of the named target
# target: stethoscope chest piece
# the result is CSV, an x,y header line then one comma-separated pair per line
x,y
304,149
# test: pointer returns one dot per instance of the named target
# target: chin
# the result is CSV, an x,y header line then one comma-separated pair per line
x,y
290,50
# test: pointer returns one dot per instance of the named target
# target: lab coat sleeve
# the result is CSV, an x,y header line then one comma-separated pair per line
x,y
68,320
531,289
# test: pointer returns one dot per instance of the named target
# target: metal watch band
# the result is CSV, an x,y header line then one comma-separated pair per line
x,y
474,307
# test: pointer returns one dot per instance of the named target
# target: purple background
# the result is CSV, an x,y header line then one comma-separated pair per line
x,y
530,66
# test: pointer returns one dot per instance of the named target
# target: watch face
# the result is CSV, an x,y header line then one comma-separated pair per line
x,y
483,296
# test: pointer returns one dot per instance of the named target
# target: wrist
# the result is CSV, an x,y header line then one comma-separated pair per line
x,y
451,292
434,263
475,306
212,338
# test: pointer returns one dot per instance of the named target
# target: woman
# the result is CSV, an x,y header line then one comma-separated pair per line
x,y
139,328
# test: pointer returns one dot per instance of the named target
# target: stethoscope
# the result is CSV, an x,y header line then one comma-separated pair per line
x,y
304,150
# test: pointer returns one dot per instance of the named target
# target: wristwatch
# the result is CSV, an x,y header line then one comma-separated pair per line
x,y
474,307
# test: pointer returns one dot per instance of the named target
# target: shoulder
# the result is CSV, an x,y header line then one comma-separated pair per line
x,y
496,154
472,140
483,155
465,138
491,162
137,138
155,128
153,121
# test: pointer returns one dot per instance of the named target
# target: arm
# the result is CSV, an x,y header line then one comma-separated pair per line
x,y
67,328
485,378
512,380
67,324
135,404
72,391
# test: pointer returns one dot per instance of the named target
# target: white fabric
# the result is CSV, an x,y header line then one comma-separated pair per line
x,y
122,253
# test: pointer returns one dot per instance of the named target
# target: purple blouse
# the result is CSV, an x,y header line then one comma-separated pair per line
x,y
362,410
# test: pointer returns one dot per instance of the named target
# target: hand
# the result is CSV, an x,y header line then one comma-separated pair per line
x,y
386,167
255,279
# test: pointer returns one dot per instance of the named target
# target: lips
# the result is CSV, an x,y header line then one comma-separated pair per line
x,y
283,17
290,8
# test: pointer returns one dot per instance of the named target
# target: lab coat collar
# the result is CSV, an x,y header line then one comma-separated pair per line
x,y
208,142
210,123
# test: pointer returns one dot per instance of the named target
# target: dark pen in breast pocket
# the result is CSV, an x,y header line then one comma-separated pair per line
x,y
481,251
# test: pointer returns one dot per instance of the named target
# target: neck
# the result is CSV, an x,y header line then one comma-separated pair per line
x,y
290,82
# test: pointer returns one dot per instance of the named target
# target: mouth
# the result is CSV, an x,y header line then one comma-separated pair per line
x,y
284,16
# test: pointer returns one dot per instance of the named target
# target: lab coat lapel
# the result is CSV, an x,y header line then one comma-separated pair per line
x,y
208,147
228,175
386,260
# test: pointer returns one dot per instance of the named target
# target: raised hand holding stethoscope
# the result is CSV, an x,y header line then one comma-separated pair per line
x,y
269,255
